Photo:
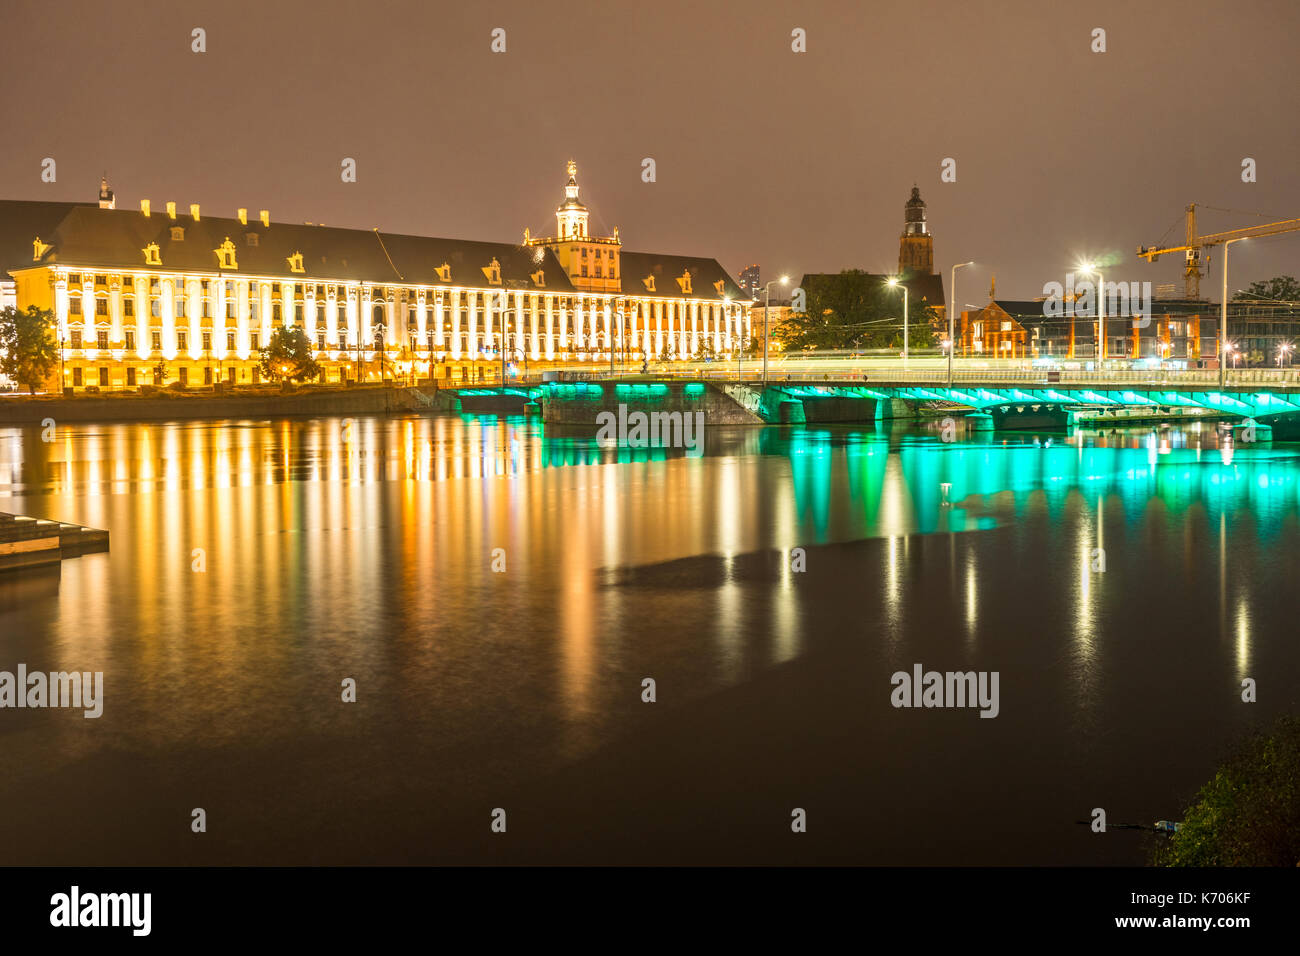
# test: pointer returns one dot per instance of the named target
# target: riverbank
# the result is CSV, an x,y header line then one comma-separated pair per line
x,y
166,405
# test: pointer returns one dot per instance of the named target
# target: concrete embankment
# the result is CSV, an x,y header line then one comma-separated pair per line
x,y
580,403
171,406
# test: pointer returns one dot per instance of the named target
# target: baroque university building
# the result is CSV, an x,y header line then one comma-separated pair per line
x,y
158,297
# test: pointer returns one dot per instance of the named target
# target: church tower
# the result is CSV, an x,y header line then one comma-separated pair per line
x,y
106,200
916,247
591,262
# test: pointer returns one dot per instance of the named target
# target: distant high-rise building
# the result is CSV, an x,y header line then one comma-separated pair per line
x,y
916,247
750,281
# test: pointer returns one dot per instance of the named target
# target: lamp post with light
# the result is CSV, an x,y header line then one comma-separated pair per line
x,y
1088,268
1223,312
1282,350
895,283
952,337
767,307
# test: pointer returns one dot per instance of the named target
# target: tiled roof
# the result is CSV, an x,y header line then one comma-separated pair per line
x,y
705,275
108,239
21,222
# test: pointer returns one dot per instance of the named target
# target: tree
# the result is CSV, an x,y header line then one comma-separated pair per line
x,y
1249,814
1281,288
27,340
160,372
853,310
287,357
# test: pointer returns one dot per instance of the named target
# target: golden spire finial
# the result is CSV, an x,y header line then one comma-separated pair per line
x,y
573,169
993,287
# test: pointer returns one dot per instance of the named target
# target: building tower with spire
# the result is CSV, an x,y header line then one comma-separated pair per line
x,y
106,200
591,262
916,247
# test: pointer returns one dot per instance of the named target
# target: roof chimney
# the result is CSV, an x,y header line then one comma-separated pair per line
x,y
171,210
194,211
144,207
266,218
243,216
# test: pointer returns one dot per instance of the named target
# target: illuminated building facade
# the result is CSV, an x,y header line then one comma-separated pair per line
x,y
158,296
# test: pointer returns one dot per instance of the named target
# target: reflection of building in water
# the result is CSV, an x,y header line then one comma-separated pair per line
x,y
157,296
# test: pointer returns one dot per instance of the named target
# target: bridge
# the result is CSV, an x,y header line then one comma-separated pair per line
x,y
1007,395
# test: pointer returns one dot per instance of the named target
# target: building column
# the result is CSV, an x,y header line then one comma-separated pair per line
x,y
194,316
241,318
534,350
694,308
455,323
364,334
143,340
439,340
562,345
577,322
265,314
219,319
115,312
471,308
286,304
549,301
88,340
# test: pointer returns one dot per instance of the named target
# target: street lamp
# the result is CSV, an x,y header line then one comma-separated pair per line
x,y
952,337
767,306
1282,350
895,283
1088,268
1223,309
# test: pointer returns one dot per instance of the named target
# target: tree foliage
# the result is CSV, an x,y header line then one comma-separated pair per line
x,y
854,310
1281,288
30,352
1249,814
287,357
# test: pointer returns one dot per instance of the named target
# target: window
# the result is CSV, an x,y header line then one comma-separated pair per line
x,y
103,376
101,339
180,307
101,307
130,340
130,377
584,270
207,308
251,238
1006,326
207,375
178,234
230,308
275,311
185,375
74,306
252,310
157,342
101,280
76,338
128,282
182,339
207,341
76,377
255,345
230,341
155,308
74,279
320,341
128,307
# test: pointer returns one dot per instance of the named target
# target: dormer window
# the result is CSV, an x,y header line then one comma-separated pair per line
x,y
226,255
444,272
250,238
684,280
720,286
151,256
649,283
295,262
39,249
493,272
178,233
539,278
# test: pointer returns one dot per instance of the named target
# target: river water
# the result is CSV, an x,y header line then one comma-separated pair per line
x,y
500,594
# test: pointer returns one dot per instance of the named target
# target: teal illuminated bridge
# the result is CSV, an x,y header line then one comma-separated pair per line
x,y
1001,398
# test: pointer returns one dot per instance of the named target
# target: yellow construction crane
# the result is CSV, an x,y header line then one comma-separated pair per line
x,y
1192,274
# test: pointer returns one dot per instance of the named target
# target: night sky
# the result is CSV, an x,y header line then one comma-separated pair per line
x,y
800,162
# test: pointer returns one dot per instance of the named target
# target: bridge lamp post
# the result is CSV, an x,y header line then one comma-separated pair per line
x,y
1282,350
767,307
895,284
1223,311
1088,268
952,337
